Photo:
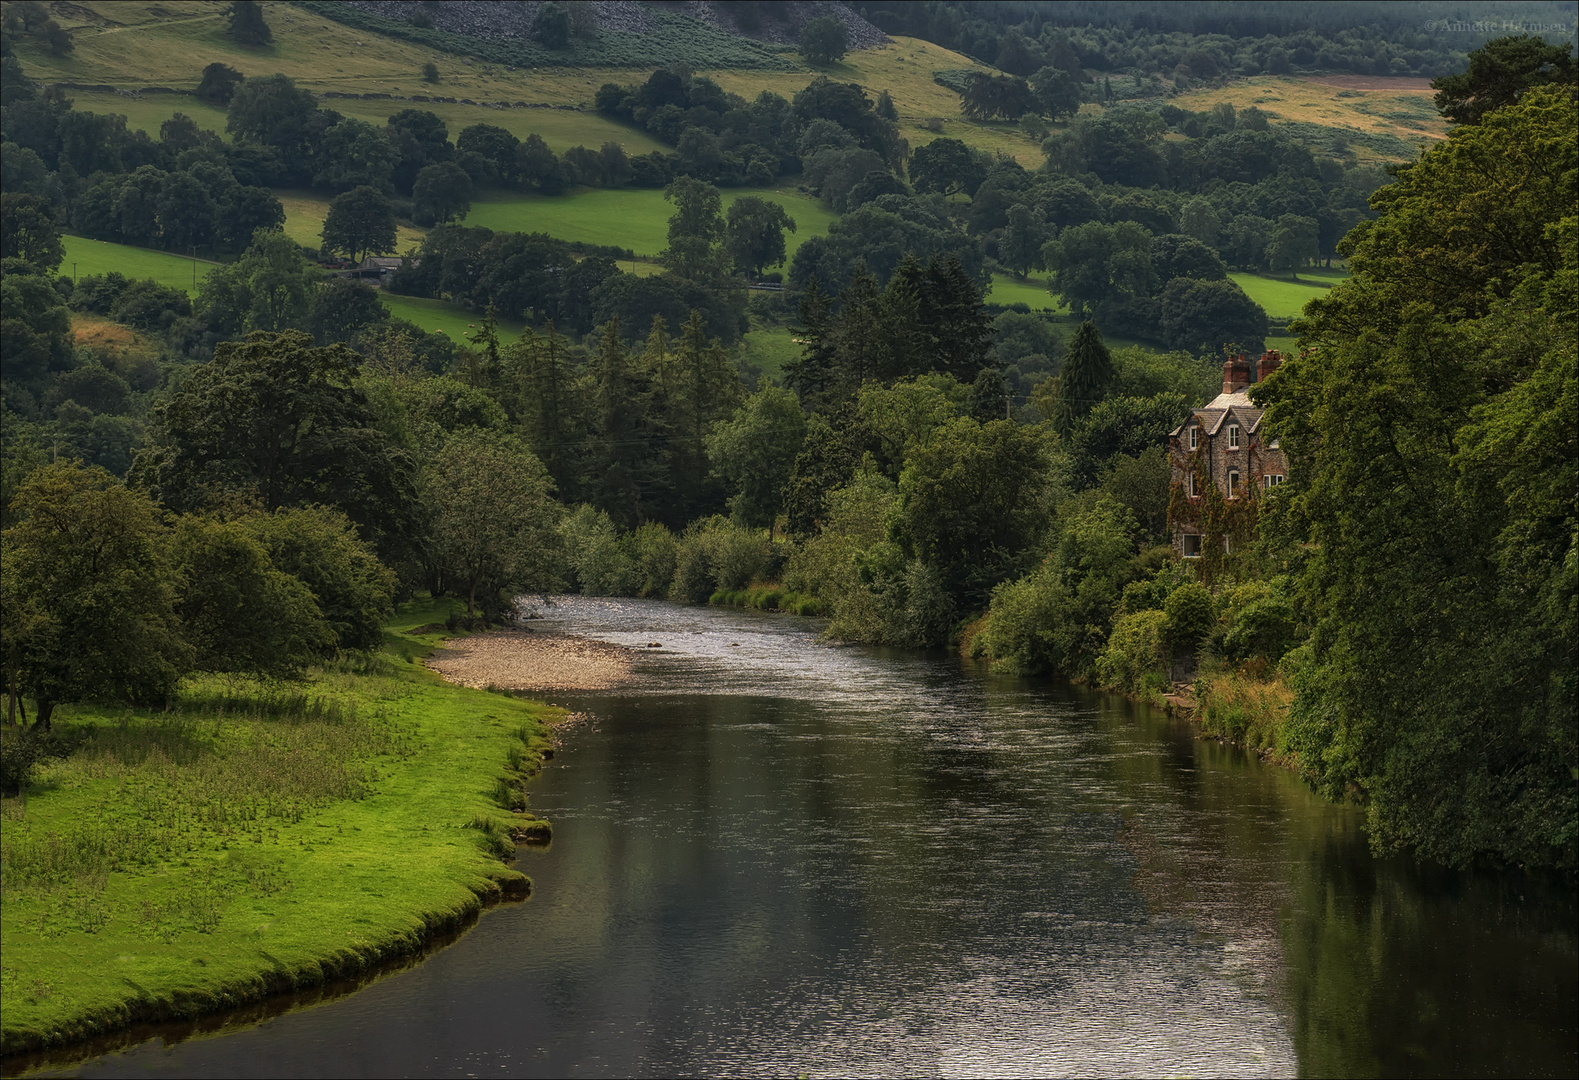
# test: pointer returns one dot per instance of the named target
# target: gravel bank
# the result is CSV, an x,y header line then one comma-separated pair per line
x,y
522,660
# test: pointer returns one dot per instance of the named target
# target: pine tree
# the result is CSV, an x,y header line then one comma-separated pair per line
x,y
857,334
811,375
1084,380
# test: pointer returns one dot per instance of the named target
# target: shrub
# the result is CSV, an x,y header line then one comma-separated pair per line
x,y
1136,658
653,552
601,564
1190,615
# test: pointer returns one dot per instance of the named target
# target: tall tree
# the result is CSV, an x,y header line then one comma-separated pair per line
x,y
246,25
361,222
824,41
276,420
1084,379
1500,72
1432,422
88,598
494,521
755,451
695,229
754,234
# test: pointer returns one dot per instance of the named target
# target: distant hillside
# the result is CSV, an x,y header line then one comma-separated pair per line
x,y
606,33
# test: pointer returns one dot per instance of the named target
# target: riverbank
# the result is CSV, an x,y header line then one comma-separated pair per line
x,y
256,839
524,660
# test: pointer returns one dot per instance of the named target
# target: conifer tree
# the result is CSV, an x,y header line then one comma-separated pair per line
x,y
1084,380
811,375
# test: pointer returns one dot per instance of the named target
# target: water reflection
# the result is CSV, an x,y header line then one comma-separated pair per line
x,y
775,857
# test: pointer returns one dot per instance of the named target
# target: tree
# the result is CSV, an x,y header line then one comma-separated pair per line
x,y
970,504
1433,480
28,232
1203,316
319,547
695,229
1084,379
442,193
1020,248
494,519
947,166
551,27
88,600
275,420
755,452
238,612
360,222
1004,96
271,287
218,84
824,41
246,23
755,234
1057,91
1293,244
244,212
430,72
343,309
271,110
1500,72
186,213
354,153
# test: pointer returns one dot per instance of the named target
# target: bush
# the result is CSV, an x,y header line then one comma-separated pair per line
x,y
600,564
1190,615
1136,658
653,552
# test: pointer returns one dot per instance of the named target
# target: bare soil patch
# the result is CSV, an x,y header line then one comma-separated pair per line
x,y
522,660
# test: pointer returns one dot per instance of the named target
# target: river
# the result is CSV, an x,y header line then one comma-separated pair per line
x,y
776,857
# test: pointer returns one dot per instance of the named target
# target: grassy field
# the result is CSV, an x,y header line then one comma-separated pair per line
x,y
767,350
437,317
633,218
255,838
134,44
91,258
1007,289
1285,299
305,212
1397,107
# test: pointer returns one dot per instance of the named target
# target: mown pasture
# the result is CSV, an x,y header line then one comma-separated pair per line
x,y
636,219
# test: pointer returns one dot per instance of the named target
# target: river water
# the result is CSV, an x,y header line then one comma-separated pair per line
x,y
780,858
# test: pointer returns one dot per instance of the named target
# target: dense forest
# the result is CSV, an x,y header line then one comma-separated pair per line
x,y
931,472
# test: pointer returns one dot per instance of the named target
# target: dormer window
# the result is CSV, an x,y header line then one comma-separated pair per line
x,y
1195,439
1233,436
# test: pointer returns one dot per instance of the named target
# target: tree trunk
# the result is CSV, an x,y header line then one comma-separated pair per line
x,y
46,709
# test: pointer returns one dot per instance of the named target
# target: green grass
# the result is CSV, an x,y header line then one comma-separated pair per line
x,y
1285,299
1006,289
631,218
437,317
305,212
254,839
92,258
768,349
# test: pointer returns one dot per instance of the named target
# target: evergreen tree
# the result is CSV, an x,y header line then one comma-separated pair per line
x,y
1084,380
857,334
811,374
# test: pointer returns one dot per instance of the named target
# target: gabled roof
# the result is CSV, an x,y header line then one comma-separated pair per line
x,y
1239,406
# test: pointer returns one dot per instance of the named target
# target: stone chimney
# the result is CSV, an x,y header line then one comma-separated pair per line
x,y
1236,374
1269,362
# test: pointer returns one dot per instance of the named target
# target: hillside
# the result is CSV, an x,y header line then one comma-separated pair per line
x,y
143,59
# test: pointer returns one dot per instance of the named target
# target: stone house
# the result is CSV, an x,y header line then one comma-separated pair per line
x,y
1222,444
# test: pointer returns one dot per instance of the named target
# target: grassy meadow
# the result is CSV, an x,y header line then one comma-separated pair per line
x,y
1007,289
437,317
633,218
1283,298
305,212
94,258
256,837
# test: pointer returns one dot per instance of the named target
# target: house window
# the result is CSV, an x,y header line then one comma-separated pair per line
x,y
1273,445
1233,436
1228,548
1195,440
1189,484
1233,483
1192,546
1272,480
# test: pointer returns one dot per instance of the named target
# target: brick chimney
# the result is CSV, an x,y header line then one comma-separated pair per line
x,y
1269,362
1236,374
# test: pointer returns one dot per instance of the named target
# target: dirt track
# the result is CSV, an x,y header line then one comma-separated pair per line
x,y
521,660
